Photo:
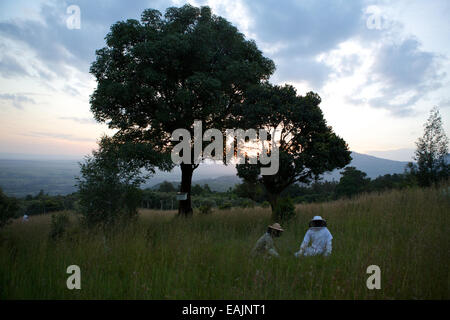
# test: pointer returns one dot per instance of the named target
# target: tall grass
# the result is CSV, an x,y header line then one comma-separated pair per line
x,y
161,256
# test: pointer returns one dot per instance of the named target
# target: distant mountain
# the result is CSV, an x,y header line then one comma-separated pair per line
x,y
371,165
21,177
404,154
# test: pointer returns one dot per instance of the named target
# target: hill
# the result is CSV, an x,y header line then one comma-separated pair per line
x,y
21,177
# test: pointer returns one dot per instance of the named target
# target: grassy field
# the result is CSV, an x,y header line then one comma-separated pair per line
x,y
405,233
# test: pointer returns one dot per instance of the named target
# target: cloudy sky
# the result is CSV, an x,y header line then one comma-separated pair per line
x,y
379,66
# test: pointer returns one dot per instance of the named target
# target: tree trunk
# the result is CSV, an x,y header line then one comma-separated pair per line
x,y
185,206
273,199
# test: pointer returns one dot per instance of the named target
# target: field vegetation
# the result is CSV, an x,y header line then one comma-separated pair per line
x,y
162,256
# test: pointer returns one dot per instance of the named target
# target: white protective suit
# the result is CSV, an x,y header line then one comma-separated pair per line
x,y
265,246
317,241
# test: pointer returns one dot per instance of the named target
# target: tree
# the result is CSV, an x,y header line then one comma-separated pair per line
x,y
431,153
308,147
166,186
163,73
8,209
353,181
253,191
207,189
197,190
108,188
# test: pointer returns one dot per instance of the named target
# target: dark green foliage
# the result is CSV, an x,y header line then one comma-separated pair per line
x,y
159,200
207,189
265,204
163,72
432,153
352,182
225,206
247,203
308,146
392,181
109,186
197,190
8,209
206,207
166,186
284,210
316,192
251,190
58,226
44,203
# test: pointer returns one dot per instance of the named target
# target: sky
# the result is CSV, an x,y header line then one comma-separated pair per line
x,y
379,66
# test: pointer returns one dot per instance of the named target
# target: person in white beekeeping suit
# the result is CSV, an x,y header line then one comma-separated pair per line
x,y
25,217
264,246
317,239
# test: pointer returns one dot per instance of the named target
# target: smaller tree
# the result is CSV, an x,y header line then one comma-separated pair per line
x,y
284,209
431,153
166,186
353,181
251,190
8,208
109,185
308,147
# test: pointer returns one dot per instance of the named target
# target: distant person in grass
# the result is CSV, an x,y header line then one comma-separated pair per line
x,y
317,239
264,246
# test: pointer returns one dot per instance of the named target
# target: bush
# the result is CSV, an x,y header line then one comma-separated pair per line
x,y
246,204
225,206
58,226
8,209
284,210
265,204
109,187
205,209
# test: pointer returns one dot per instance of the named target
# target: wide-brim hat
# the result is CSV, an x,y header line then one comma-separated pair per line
x,y
276,226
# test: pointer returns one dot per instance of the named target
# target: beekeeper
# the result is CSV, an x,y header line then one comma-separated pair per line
x,y
317,239
264,245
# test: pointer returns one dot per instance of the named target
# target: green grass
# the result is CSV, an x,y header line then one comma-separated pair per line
x,y
405,233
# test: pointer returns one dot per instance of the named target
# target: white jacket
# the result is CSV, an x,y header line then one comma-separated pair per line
x,y
317,241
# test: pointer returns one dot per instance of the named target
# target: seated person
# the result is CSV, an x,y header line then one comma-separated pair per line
x,y
264,246
317,239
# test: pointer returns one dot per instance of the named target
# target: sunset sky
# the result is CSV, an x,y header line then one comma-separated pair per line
x,y
378,67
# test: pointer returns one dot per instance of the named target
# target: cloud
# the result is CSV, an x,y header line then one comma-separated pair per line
x,y
444,103
403,64
71,90
61,136
295,34
10,67
59,48
300,31
79,120
17,100
404,74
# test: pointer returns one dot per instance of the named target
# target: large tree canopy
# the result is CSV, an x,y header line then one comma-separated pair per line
x,y
163,72
308,146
